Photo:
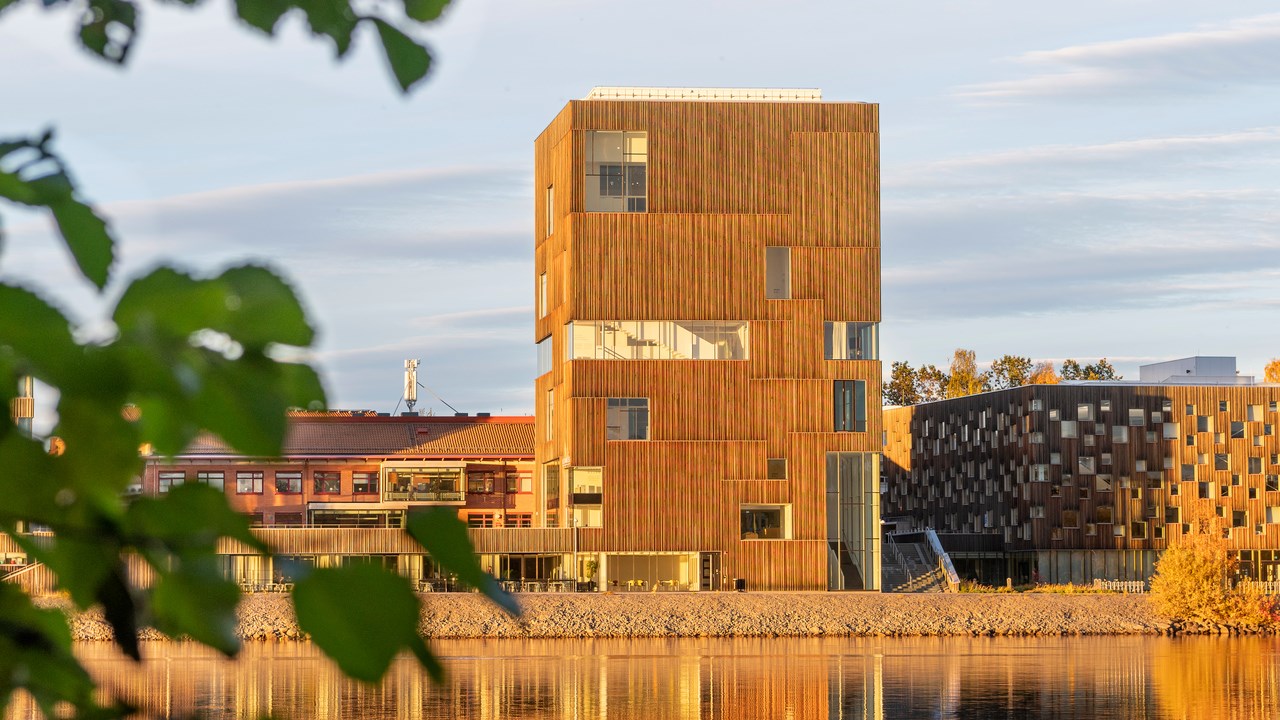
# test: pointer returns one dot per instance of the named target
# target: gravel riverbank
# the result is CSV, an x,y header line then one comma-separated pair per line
x,y
466,615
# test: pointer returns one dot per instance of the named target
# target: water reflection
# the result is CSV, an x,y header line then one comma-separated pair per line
x,y
831,679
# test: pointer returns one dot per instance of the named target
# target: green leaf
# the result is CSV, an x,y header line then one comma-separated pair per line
x,y
302,386
263,309
37,333
442,534
170,304
189,518
87,238
409,61
120,611
196,600
424,10
359,615
262,14
332,18
241,403
107,28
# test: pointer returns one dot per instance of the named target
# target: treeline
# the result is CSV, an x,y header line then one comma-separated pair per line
x,y
908,385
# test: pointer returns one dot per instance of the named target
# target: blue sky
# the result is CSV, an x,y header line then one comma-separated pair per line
x,y
1059,180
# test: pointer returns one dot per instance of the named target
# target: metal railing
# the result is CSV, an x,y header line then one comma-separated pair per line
x,y
944,560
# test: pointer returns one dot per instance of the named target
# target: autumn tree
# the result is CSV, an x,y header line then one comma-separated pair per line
x,y
1010,371
1044,374
1193,581
964,378
1101,370
1272,372
901,388
931,383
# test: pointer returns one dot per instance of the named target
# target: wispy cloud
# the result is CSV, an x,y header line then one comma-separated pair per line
x,y
1240,52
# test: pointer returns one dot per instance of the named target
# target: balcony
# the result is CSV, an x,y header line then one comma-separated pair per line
x,y
489,501
424,493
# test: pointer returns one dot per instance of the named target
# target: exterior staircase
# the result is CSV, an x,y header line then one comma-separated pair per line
x,y
911,567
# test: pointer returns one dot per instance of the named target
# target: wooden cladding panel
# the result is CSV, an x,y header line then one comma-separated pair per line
x,y
382,541
847,280
835,189
922,471
721,157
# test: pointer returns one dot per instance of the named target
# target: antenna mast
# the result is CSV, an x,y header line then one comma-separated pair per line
x,y
410,383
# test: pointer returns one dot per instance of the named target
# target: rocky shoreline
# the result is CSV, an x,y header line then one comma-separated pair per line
x,y
466,615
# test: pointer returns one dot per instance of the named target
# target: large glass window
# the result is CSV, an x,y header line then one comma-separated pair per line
x,y
850,405
425,484
616,171
851,340
766,522
586,487
657,340
627,419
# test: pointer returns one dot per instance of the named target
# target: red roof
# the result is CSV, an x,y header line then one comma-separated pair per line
x,y
346,435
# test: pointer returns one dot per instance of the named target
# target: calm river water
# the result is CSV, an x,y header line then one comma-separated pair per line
x,y
1108,677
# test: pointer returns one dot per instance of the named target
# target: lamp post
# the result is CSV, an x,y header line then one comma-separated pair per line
x,y
575,552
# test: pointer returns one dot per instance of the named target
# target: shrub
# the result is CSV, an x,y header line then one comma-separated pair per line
x,y
1193,582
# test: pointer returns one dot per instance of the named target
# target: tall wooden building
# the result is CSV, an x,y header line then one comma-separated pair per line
x,y
1092,480
708,302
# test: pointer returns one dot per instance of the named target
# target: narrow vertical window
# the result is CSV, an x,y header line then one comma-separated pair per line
x,y
850,405
551,413
542,295
551,209
777,272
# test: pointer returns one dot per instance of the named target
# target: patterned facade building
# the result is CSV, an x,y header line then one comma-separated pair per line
x,y
1088,480
708,275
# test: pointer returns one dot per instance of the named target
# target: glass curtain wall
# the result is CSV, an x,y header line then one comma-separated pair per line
x,y
853,521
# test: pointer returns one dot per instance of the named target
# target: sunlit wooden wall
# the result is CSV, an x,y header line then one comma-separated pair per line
x,y
725,180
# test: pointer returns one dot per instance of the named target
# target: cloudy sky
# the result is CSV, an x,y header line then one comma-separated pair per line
x,y
1087,179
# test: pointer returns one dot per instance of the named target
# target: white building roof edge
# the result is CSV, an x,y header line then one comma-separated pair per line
x,y
706,94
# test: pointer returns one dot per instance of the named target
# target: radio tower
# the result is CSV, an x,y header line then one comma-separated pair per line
x,y
410,383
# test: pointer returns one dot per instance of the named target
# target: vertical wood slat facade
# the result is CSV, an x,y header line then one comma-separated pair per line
x,y
952,483
725,180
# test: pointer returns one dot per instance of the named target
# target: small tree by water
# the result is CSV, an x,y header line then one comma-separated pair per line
x,y
1193,582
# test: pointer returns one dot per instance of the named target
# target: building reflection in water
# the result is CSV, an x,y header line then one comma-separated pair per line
x,y
793,678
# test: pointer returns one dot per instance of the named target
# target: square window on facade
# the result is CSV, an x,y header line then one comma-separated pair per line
x,y
1088,441
1166,405
1055,414
1204,423
1037,404
1085,465
627,419
1119,433
364,481
616,171
1204,490
1171,431
1237,429
1069,429
249,482
1137,417
1104,405
852,341
1151,437
1224,406
1221,461
327,482
212,478
1084,412
777,468
288,482
1254,413
1188,472
1255,465
1191,410
171,478
1273,483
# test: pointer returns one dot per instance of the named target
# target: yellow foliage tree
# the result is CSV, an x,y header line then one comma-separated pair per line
x,y
1272,373
1044,374
1193,582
